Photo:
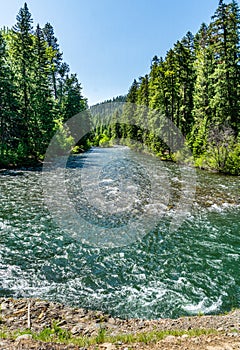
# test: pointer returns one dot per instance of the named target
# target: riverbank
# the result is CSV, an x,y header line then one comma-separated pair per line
x,y
31,165
78,328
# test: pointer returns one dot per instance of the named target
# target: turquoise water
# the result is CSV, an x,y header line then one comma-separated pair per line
x,y
162,273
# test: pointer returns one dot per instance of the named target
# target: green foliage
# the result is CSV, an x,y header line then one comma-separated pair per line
x,y
201,162
197,87
223,150
101,336
37,93
64,140
233,161
56,334
104,141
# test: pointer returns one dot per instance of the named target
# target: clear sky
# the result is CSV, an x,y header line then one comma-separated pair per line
x,y
108,43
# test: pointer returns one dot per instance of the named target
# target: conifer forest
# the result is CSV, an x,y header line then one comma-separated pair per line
x,y
196,86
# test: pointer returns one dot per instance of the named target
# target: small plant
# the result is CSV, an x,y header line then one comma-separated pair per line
x,y
200,313
101,336
56,334
104,141
60,333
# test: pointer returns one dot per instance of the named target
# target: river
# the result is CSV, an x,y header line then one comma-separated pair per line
x,y
136,247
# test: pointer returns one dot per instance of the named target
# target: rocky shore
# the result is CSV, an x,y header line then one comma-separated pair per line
x,y
37,315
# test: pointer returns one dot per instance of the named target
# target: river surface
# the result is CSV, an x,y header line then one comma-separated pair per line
x,y
124,258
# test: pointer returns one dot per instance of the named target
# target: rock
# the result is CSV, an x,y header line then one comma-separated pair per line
x,y
111,321
4,306
78,328
62,323
196,340
185,336
87,323
107,346
217,348
233,334
23,337
170,338
119,343
227,347
90,330
4,343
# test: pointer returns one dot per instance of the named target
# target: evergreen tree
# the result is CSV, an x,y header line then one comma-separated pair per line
x,y
202,91
31,78
128,117
156,85
42,102
224,31
8,107
186,78
141,114
55,55
116,133
23,59
73,101
63,71
195,87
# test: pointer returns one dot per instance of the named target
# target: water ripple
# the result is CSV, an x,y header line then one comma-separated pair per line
x,y
194,269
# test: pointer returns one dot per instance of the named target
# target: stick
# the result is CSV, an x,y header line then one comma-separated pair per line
x,y
29,316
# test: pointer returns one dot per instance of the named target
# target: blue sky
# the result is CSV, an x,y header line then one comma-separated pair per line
x,y
109,43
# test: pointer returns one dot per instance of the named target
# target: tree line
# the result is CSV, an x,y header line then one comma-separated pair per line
x,y
197,88
37,91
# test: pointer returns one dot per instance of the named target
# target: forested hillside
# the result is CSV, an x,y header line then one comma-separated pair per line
x,y
37,91
197,87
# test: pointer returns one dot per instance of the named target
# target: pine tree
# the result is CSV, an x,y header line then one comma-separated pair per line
x,y
186,77
116,127
73,103
234,67
42,102
142,110
55,56
63,71
171,83
224,31
156,85
196,87
128,116
202,91
23,59
8,107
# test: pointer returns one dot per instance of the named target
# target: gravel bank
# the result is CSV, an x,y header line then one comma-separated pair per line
x,y
19,314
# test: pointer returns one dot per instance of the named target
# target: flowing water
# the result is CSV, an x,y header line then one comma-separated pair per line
x,y
161,272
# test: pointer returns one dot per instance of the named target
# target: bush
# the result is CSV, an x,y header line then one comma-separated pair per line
x,y
223,150
104,141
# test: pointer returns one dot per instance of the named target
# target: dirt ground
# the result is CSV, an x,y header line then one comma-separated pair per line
x,y
203,342
17,313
